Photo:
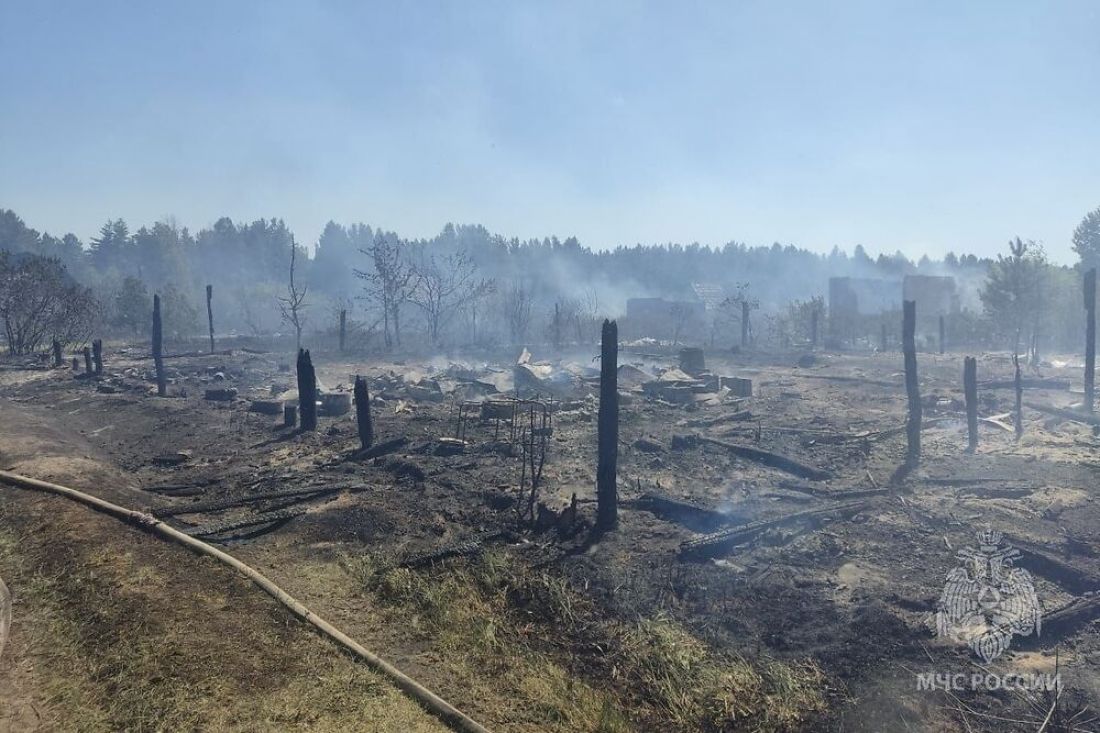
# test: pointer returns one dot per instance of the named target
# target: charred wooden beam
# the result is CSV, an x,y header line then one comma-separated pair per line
x,y
158,348
912,385
718,542
362,413
775,460
307,390
607,514
970,392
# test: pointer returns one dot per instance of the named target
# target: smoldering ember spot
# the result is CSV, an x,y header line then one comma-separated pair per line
x,y
762,397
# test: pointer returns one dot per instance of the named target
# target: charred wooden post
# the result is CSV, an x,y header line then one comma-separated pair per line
x,y
307,391
88,367
970,392
290,416
76,364
1019,384
744,324
557,327
158,348
943,335
97,356
362,413
343,329
607,500
813,328
210,314
57,353
1090,340
883,344
912,386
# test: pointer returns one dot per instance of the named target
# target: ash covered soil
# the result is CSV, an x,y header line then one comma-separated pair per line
x,y
839,563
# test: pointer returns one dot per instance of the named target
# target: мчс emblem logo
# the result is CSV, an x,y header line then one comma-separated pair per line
x,y
986,601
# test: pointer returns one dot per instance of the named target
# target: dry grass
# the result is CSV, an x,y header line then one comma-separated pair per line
x,y
516,637
171,642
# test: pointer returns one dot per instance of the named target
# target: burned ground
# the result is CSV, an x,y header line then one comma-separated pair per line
x,y
822,594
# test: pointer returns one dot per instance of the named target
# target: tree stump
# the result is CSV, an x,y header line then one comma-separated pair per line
x,y
607,500
307,391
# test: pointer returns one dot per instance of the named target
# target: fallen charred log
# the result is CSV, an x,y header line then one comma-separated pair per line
x,y
1026,383
203,507
466,548
718,542
767,458
274,518
381,449
679,510
1083,417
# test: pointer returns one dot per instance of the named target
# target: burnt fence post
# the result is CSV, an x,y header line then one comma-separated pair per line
x,y
970,392
97,356
362,413
343,329
1019,397
158,348
912,386
607,500
210,314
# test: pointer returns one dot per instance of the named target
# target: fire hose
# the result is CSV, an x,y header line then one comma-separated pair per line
x,y
434,704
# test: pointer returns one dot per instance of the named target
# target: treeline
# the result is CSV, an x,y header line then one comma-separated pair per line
x,y
467,285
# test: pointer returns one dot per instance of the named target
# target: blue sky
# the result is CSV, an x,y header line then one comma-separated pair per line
x,y
925,127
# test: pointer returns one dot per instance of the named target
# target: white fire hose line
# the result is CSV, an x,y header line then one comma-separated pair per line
x,y
434,704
